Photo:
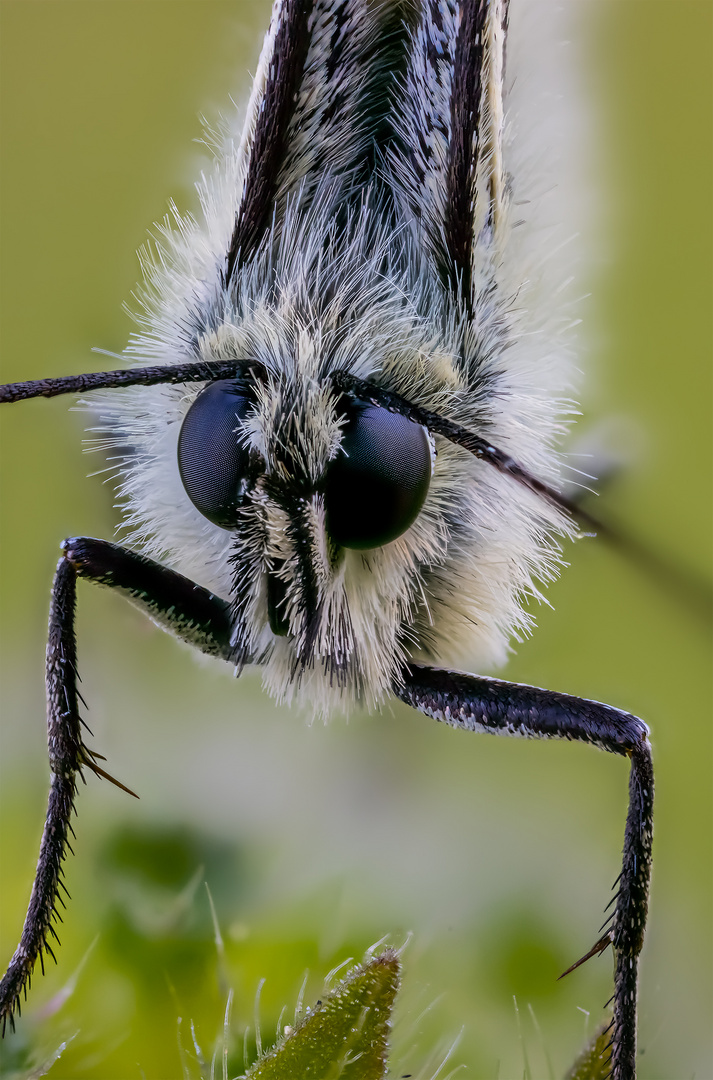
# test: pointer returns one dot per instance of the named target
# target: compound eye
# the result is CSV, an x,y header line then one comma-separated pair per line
x,y
212,459
378,483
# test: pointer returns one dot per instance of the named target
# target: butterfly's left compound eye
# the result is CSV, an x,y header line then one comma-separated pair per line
x,y
378,482
212,458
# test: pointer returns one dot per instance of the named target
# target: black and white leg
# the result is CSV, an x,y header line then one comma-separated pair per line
x,y
174,602
501,708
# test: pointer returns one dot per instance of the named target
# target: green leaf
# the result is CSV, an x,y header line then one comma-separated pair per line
x,y
594,1063
344,1037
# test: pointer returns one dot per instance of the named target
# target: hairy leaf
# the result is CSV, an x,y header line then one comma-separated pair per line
x,y
344,1037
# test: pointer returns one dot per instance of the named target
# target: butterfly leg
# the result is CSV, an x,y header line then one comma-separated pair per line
x,y
174,602
490,705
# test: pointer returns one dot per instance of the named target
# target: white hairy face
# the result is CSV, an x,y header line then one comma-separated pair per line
x,y
451,585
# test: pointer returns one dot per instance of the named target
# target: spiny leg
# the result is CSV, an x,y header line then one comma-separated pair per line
x,y
501,708
67,755
178,605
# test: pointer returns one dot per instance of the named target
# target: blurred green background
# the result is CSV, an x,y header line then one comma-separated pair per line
x,y
498,855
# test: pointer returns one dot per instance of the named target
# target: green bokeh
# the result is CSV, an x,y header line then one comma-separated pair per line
x,y
315,842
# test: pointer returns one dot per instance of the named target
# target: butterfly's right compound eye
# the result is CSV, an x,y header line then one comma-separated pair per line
x,y
212,457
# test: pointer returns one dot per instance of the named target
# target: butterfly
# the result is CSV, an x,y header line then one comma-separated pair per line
x,y
339,430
